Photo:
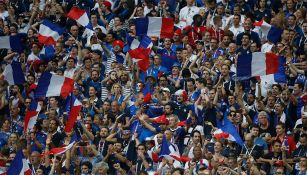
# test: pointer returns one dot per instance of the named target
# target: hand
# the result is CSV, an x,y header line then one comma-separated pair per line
x,y
192,165
141,155
48,140
116,166
110,150
67,141
272,162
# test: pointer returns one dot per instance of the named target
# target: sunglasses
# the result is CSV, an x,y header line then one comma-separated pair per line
x,y
232,114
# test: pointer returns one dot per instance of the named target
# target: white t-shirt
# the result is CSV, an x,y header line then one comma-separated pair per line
x,y
4,15
186,14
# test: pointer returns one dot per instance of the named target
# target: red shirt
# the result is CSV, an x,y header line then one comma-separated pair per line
x,y
195,33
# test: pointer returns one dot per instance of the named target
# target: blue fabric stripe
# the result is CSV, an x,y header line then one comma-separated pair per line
x,y
15,43
280,76
145,42
49,53
141,25
18,75
274,34
43,85
33,105
244,67
17,164
230,128
53,26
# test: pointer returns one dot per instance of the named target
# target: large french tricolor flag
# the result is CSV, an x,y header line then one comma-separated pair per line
x,y
13,73
31,116
19,165
49,32
228,132
11,42
171,151
270,32
74,109
258,64
144,42
53,85
81,17
155,26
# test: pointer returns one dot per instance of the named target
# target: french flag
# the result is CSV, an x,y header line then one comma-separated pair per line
x,y
81,17
270,32
171,151
141,57
19,165
31,116
11,42
155,26
74,109
13,73
228,132
53,85
60,150
49,32
258,64
144,42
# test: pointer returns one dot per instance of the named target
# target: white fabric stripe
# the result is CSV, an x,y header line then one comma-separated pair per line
x,y
265,28
135,44
268,79
46,31
83,20
154,26
66,148
56,83
150,45
77,103
5,42
32,122
258,64
25,167
8,74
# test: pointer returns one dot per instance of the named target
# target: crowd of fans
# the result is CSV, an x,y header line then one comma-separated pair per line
x,y
198,93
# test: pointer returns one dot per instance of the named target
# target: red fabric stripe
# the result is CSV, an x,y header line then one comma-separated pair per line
x,y
46,40
143,55
259,23
167,28
75,13
181,159
155,157
147,98
28,172
271,63
74,112
67,87
28,116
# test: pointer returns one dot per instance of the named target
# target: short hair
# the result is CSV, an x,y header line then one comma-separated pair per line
x,y
88,164
191,80
175,117
282,125
276,141
262,113
201,81
255,126
247,34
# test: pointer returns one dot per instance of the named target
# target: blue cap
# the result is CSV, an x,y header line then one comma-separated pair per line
x,y
176,65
